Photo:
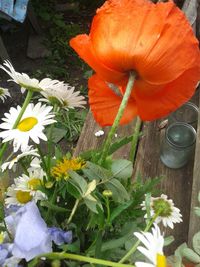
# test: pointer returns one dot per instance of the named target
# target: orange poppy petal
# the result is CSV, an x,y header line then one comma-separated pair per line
x,y
82,45
175,51
154,102
105,103
156,40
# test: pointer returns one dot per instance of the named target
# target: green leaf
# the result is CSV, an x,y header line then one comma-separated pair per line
x,y
79,181
196,242
58,134
179,251
53,206
197,211
2,214
119,143
91,205
119,209
190,255
93,171
119,192
168,240
122,168
174,261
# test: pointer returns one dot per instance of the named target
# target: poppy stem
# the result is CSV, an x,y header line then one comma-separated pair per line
x,y
120,113
135,138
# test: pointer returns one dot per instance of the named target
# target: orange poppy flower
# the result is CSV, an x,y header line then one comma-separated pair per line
x,y
154,40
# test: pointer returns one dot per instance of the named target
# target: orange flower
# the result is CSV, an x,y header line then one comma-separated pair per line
x,y
154,40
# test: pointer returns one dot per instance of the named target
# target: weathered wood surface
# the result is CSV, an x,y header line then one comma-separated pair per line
x,y
180,185
194,221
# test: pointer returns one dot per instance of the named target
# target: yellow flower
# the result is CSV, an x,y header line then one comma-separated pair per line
x,y
63,166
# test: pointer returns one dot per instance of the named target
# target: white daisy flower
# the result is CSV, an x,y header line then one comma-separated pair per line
x,y
64,96
153,248
17,197
27,152
31,125
4,93
35,163
168,213
26,188
26,82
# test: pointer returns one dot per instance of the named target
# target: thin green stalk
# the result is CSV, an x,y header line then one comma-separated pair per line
x,y
135,139
98,244
73,211
120,113
7,231
43,161
75,257
50,133
24,106
108,210
53,198
134,247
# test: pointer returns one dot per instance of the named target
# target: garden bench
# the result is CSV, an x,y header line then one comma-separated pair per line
x,y
181,185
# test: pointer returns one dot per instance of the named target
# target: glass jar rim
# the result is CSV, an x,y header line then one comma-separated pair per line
x,y
180,124
189,104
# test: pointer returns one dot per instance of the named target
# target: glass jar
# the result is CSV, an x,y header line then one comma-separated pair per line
x,y
178,145
187,113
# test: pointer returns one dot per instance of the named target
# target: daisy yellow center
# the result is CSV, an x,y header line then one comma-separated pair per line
x,y
23,197
34,183
63,166
27,124
162,207
161,261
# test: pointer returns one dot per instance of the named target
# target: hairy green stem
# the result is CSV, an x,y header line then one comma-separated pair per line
x,y
120,113
73,211
135,138
75,257
24,106
134,247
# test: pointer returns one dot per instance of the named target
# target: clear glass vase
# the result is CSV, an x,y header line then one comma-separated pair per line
x,y
178,145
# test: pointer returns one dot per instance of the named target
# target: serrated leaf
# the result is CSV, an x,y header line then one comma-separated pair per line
x,y
91,188
190,255
196,242
79,181
119,143
122,168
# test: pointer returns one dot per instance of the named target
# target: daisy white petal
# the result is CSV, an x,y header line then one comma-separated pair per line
x,y
27,152
31,125
64,96
4,93
153,249
25,81
168,213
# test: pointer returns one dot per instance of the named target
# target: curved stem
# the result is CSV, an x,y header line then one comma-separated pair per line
x,y
73,211
76,257
120,113
24,106
134,247
135,138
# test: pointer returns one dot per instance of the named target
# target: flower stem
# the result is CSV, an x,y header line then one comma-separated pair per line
x,y
73,211
24,106
76,257
134,141
134,247
116,122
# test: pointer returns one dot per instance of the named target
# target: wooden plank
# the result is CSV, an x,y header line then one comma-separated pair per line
x,y
88,140
194,221
177,183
